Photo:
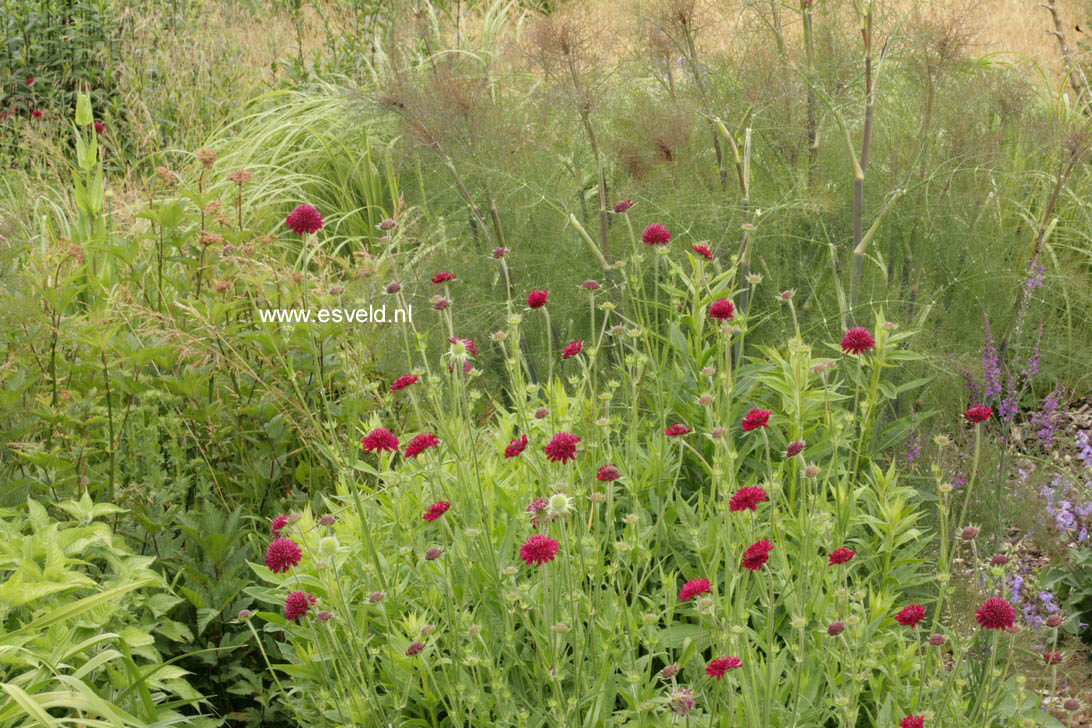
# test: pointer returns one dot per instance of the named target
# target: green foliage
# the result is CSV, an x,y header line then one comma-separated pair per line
x,y
85,623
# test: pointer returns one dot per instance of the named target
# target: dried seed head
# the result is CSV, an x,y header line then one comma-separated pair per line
x,y
206,157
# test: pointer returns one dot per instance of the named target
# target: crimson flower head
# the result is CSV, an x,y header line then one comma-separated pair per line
x,y
99,127
403,381
913,721
857,340
978,413
755,419
572,349
911,615
436,510
608,473
722,310
561,448
718,667
538,550
1052,658
693,588
414,648
622,205
995,613
419,444
840,556
30,80
467,343
279,522
443,277
537,299
747,499
379,439
37,114
702,251
676,430
282,554
304,219
655,235
756,555
515,447
296,605
795,448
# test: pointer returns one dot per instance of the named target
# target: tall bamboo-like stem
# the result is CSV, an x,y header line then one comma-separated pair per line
x,y
589,130
811,125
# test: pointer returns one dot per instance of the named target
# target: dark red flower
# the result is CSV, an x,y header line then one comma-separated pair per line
x,y
911,615
99,127
296,605
414,648
693,588
419,444
747,499
978,413
443,277
840,556
622,205
857,340
572,349
538,550
718,667
436,510
379,439
722,310
467,343
1052,658
999,560
608,473
795,448
537,299
702,251
282,554
995,613
655,235
304,219
537,508
836,628
756,555
278,523
36,114
913,721
515,447
675,430
755,419
31,80
403,381
561,448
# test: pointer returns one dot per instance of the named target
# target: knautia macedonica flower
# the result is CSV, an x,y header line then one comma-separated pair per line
x,y
403,381
936,640
702,251
515,447
561,448
434,553
419,444
1052,658
669,672
722,310
913,721
911,615
379,439
537,299
836,628
717,668
282,554
840,556
622,205
693,588
676,430
436,510
857,340
414,648
572,349
655,235
537,508
280,522
755,419
296,605
607,473
304,219
681,701
978,413
558,505
443,277
538,550
747,499
499,253
756,555
995,613
794,448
